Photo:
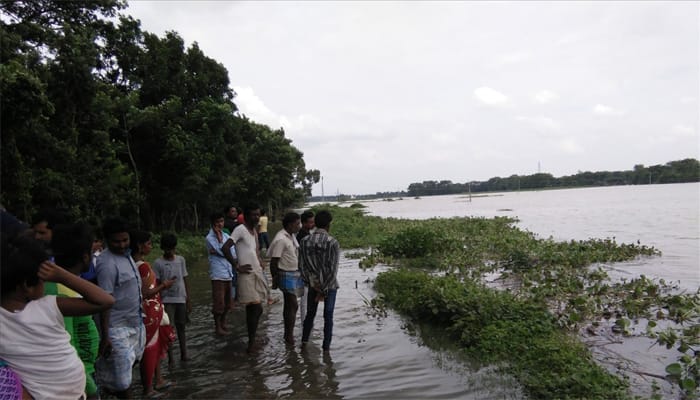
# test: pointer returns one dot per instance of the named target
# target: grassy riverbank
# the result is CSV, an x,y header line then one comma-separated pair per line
x,y
545,294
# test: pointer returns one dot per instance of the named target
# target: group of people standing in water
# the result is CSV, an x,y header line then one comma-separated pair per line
x,y
75,318
303,265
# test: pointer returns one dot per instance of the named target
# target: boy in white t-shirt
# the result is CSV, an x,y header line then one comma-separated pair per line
x,y
176,299
35,343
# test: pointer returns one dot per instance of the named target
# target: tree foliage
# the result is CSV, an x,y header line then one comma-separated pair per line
x,y
687,170
100,117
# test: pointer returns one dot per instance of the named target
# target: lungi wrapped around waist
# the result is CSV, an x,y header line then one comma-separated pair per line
x,y
290,282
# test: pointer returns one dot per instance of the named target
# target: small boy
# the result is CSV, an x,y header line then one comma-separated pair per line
x,y
176,299
35,344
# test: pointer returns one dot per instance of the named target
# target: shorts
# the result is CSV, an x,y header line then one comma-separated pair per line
x,y
177,312
221,296
290,282
114,371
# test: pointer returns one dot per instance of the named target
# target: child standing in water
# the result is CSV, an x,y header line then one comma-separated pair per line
x,y
177,298
159,336
35,343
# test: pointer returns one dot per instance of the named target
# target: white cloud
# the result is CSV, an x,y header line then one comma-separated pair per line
x,y
511,58
683,130
601,109
543,124
252,106
545,96
570,146
491,97
340,92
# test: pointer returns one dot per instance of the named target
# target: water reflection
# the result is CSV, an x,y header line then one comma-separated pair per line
x,y
371,357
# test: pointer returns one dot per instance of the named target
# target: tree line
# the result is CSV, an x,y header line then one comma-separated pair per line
x,y
687,170
100,117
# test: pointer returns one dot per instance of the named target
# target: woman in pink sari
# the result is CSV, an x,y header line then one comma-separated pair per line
x,y
159,336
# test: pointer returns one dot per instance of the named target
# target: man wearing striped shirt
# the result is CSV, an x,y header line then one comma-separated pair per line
x,y
318,260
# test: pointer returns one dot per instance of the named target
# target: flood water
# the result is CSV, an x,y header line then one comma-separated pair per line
x,y
372,356
387,357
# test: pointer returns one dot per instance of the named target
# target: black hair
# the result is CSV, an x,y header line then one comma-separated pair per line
x,y
51,216
137,237
262,211
228,208
249,208
323,219
306,215
20,259
216,215
70,243
168,241
114,225
290,218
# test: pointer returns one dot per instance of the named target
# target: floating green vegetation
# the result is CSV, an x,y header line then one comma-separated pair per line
x,y
555,290
496,327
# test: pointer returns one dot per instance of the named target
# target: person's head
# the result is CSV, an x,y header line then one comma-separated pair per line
x,y
44,222
20,259
217,221
72,246
97,245
115,231
307,220
140,243
323,219
168,243
262,212
290,222
251,214
231,212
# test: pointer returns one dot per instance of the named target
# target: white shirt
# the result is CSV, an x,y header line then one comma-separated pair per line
x,y
37,347
246,246
285,247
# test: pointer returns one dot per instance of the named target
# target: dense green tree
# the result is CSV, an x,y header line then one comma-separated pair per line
x,y
100,117
687,170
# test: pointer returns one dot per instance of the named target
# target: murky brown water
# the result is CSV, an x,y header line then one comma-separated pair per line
x,y
389,358
371,356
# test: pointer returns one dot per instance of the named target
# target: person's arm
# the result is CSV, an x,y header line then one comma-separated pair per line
x,y
94,298
165,284
213,246
226,249
274,264
188,303
257,246
332,267
183,272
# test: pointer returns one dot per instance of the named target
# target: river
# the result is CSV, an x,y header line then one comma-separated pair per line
x,y
376,356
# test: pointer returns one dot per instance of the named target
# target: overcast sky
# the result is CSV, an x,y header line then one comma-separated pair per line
x,y
380,95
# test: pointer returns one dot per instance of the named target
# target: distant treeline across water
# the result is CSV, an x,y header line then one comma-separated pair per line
x,y
682,171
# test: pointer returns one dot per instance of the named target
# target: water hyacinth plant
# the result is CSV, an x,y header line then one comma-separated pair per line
x,y
542,293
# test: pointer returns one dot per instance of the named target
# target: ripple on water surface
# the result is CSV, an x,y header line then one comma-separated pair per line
x,y
370,357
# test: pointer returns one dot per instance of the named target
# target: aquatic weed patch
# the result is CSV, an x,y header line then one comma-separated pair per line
x,y
564,278
497,328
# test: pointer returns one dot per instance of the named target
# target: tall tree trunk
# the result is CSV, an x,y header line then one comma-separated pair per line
x,y
136,174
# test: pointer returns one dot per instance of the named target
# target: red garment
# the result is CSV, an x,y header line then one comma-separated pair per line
x,y
240,219
158,337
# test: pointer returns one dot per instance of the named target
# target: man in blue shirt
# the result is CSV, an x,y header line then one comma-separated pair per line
x,y
221,261
123,335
